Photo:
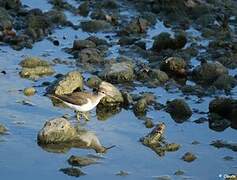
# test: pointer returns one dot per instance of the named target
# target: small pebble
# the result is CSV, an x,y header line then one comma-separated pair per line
x,y
29,91
189,157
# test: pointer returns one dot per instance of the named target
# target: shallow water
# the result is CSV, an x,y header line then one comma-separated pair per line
x,y
21,157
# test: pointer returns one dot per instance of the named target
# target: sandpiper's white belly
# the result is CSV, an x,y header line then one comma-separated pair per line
x,y
82,108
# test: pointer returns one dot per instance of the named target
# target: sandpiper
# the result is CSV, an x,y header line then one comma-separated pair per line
x,y
82,102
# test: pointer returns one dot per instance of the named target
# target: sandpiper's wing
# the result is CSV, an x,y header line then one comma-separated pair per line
x,y
77,98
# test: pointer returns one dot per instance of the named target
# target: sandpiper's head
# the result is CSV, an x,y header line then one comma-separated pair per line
x,y
105,89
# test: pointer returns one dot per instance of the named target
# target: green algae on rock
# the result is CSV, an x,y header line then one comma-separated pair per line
x,y
60,132
67,84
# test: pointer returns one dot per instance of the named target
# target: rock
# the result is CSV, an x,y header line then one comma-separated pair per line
x,y
156,142
81,161
174,66
3,129
34,67
224,144
154,136
148,123
56,17
225,82
10,4
128,100
189,157
82,44
122,173
33,62
61,133
118,72
159,75
76,172
5,20
96,26
109,4
93,82
179,173
218,123
84,8
90,55
67,84
29,91
164,41
97,41
104,112
140,107
136,26
226,109
207,73
35,73
179,110
115,97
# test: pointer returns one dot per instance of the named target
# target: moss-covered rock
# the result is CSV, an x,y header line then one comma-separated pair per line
x,y
93,82
81,161
59,131
5,19
37,72
225,82
90,55
71,171
34,67
3,129
223,112
174,66
164,41
207,73
95,26
118,72
115,97
32,62
67,84
189,157
179,110
29,91
82,44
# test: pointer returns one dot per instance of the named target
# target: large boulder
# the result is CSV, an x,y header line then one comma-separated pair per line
x,y
207,73
67,84
59,131
118,72
179,110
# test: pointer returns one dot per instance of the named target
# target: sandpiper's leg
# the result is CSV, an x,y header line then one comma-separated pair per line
x,y
78,115
86,115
